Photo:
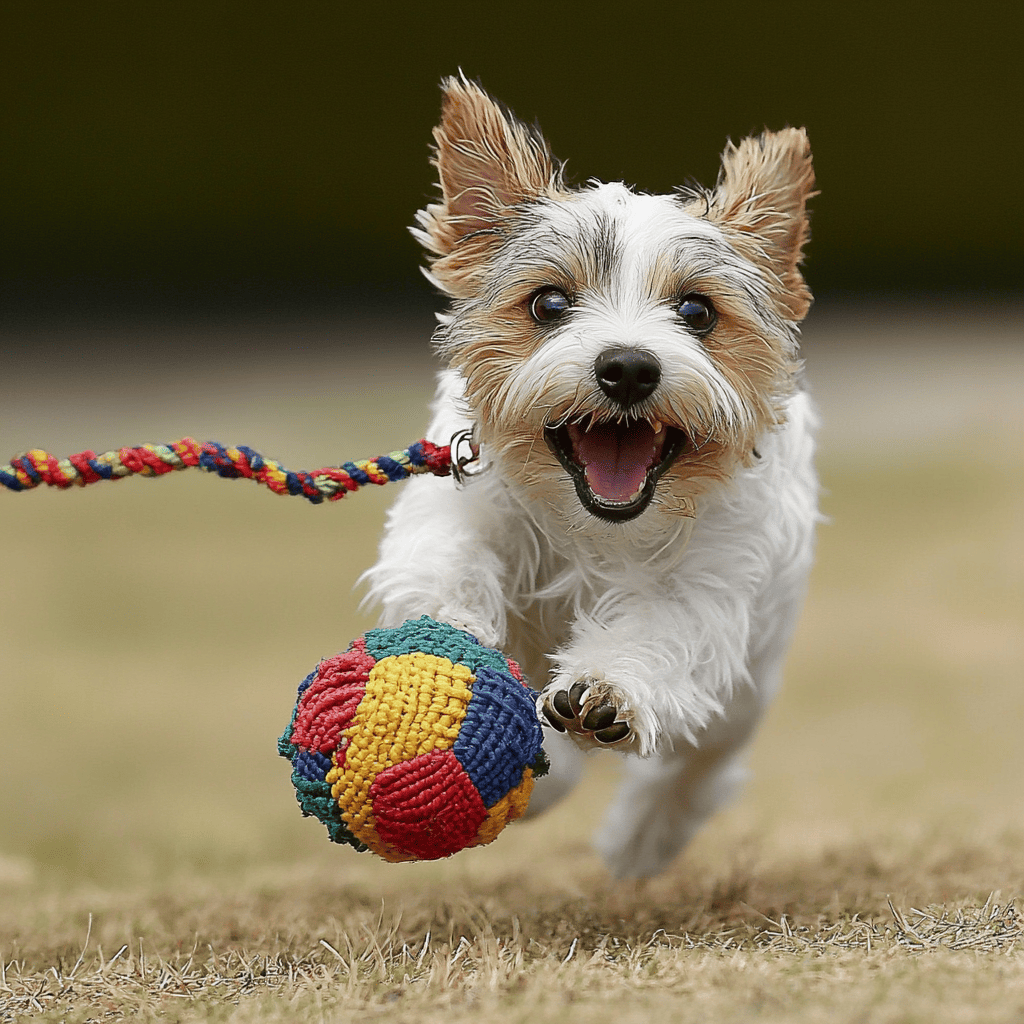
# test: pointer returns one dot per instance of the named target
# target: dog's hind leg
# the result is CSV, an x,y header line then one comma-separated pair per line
x,y
665,799
661,804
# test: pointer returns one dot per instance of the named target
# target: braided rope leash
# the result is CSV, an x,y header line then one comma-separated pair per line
x,y
331,483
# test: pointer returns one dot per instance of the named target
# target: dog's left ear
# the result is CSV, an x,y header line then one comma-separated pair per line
x,y
760,202
488,163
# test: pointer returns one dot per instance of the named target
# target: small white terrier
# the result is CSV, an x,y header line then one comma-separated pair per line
x,y
641,536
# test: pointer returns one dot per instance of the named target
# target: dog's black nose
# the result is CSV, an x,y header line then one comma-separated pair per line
x,y
627,375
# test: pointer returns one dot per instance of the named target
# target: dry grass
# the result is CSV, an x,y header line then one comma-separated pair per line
x,y
773,966
315,952
153,865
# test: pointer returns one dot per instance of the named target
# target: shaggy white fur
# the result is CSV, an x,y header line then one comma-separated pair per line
x,y
654,622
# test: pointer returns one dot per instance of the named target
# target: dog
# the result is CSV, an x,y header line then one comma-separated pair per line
x,y
639,530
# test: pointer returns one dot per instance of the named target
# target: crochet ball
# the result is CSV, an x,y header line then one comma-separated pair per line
x,y
415,743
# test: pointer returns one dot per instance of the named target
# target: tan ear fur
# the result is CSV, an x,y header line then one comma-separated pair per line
x,y
487,163
760,202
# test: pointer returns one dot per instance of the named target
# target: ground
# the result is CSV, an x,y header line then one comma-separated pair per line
x,y
153,863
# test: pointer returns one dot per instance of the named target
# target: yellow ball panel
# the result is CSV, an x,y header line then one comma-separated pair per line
x,y
414,703
511,806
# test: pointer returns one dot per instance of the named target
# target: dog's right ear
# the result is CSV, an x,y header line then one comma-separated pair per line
x,y
488,163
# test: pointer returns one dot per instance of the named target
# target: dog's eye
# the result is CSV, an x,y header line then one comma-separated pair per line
x,y
548,304
697,312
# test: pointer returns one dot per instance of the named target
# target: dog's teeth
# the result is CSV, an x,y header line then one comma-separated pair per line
x,y
657,426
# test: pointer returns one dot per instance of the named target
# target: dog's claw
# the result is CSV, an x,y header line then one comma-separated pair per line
x,y
576,694
589,710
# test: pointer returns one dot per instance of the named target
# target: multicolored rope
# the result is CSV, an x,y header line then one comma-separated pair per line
x,y
328,484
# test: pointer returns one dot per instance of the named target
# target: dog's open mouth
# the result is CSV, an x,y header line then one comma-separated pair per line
x,y
615,466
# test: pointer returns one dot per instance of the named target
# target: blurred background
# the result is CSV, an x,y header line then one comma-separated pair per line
x,y
203,220
193,158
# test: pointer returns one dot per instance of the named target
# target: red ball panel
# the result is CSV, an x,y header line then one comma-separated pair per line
x,y
427,806
329,702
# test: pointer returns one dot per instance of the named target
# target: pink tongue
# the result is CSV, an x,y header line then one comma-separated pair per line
x,y
616,458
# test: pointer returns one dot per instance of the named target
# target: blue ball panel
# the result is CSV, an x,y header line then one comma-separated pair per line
x,y
500,736
312,765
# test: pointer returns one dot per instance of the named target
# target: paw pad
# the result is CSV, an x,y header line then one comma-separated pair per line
x,y
587,709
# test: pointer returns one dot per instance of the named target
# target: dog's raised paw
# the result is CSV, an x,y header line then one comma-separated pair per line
x,y
588,709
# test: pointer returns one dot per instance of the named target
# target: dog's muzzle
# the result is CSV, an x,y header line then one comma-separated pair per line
x,y
615,461
615,466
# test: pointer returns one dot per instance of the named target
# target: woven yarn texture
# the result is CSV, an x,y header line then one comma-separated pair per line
x,y
415,743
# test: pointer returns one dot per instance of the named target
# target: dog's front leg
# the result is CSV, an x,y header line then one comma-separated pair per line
x,y
439,557
667,680
650,673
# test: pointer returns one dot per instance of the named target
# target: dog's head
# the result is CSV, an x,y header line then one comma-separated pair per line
x,y
619,350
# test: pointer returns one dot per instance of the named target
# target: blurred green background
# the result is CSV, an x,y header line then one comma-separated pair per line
x,y
181,157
